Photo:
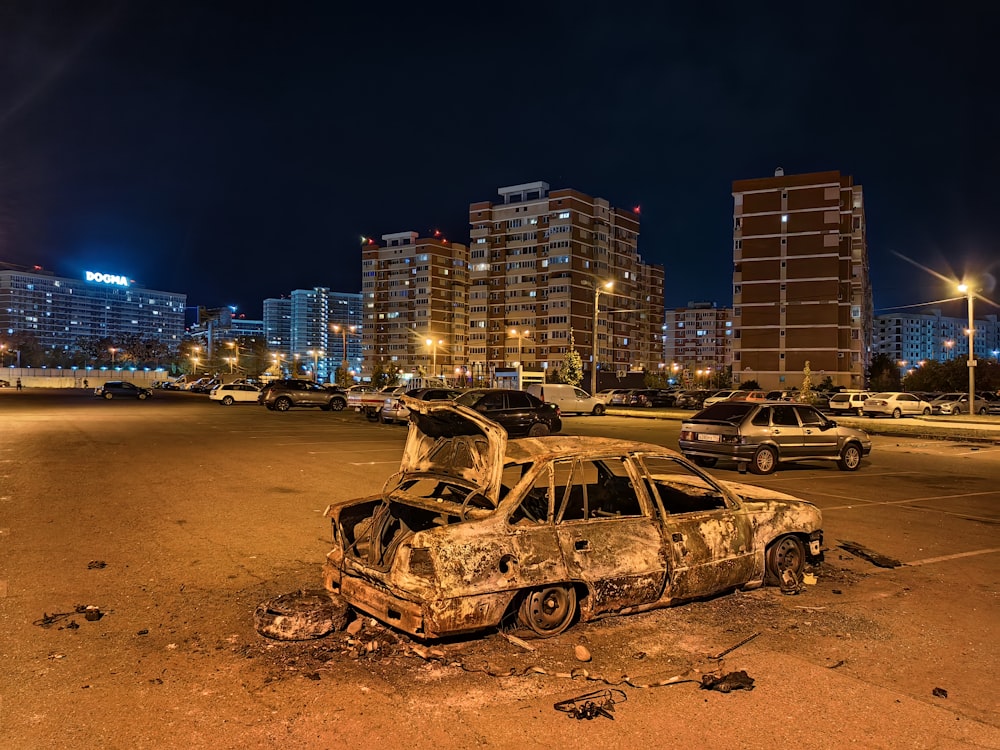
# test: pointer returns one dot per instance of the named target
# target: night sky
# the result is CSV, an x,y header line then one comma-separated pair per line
x,y
236,151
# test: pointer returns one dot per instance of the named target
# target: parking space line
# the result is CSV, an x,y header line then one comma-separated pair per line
x,y
956,556
867,504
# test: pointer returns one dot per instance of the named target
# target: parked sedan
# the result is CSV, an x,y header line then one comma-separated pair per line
x,y
122,389
957,403
723,396
518,412
228,394
762,435
895,404
476,530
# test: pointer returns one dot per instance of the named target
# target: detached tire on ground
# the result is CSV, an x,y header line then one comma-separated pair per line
x,y
301,616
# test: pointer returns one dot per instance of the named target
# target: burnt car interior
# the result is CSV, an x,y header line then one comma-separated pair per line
x,y
681,492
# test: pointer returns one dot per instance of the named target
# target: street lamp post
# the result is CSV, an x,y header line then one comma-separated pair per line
x,y
342,330
112,350
235,358
315,355
593,363
434,350
967,290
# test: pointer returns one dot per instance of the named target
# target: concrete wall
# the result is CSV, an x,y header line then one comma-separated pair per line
x,y
33,377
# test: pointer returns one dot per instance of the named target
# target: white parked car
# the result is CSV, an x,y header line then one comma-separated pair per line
x,y
723,396
228,394
895,404
569,398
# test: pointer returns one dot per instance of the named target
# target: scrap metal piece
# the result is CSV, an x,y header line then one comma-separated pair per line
x,y
732,648
728,682
591,705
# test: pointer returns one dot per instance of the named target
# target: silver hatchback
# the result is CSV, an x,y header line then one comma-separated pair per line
x,y
759,436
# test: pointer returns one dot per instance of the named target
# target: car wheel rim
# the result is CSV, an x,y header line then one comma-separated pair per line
x,y
549,611
852,457
765,461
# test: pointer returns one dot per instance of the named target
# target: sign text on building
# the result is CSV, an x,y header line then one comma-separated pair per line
x,y
106,278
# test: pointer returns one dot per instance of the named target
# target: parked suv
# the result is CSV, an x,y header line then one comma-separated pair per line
x,y
122,389
847,402
762,435
282,395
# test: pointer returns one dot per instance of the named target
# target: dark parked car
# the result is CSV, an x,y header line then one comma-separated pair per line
x,y
764,434
692,399
652,397
518,412
282,395
122,389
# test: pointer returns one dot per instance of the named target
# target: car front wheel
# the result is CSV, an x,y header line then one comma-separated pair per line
x,y
785,561
549,610
599,410
338,404
765,460
926,411
283,404
142,396
850,458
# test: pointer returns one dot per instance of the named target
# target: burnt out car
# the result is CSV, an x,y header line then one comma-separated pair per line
x,y
476,530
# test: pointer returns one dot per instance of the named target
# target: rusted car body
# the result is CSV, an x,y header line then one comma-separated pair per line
x,y
476,529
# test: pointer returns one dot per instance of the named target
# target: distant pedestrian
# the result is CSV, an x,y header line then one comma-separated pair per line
x,y
85,383
19,384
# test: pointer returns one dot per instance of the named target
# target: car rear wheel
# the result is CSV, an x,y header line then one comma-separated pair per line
x,y
850,458
599,410
706,461
860,412
956,411
926,411
896,413
982,410
283,404
785,561
227,400
548,611
765,460
538,429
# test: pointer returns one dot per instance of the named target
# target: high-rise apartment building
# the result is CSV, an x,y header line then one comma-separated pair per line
x,y
308,331
415,304
914,337
540,264
801,288
697,341
59,313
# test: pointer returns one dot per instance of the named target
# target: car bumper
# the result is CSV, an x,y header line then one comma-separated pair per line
x,y
717,450
432,618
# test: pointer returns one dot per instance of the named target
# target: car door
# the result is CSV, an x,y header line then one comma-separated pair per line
x,y
817,438
518,412
709,537
786,432
607,533
908,403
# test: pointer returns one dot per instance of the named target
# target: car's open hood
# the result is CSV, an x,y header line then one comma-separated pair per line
x,y
456,441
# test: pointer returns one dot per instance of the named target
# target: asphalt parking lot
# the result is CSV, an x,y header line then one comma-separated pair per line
x,y
176,517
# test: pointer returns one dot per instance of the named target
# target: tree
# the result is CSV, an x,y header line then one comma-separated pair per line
x,y
750,385
806,392
383,377
883,375
572,369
